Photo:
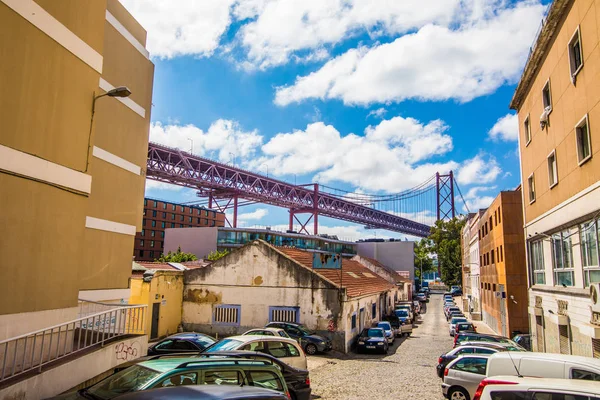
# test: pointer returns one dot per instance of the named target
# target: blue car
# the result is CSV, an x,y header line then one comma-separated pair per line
x,y
387,328
372,339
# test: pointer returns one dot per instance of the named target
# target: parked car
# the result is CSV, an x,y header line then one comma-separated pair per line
x,y
512,387
287,350
463,375
387,328
310,341
400,328
417,307
523,340
372,339
267,332
457,292
404,316
206,392
455,314
408,307
181,343
180,371
297,380
544,365
421,297
493,345
453,354
464,327
453,322
482,337
448,310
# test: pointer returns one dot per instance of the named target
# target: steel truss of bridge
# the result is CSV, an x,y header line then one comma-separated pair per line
x,y
219,182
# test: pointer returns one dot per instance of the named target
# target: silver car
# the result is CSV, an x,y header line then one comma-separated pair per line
x,y
463,375
453,322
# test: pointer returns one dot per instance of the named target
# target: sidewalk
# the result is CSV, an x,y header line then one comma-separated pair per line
x,y
479,325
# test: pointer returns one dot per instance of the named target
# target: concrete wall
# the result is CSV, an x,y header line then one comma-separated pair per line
x,y
256,277
56,380
198,241
166,289
399,256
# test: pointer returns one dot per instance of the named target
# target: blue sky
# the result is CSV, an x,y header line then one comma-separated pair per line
x,y
363,95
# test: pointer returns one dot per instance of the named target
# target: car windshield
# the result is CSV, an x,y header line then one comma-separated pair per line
x,y
402,313
373,333
457,320
224,345
304,330
384,325
204,341
127,380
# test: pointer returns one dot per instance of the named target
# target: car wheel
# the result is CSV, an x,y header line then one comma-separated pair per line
x,y
310,349
458,393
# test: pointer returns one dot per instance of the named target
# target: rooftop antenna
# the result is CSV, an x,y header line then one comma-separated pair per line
x,y
514,365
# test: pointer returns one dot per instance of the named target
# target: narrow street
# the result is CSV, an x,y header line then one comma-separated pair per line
x,y
408,372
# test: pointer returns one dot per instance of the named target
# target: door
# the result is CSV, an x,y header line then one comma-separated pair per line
x,y
361,320
155,318
287,352
502,310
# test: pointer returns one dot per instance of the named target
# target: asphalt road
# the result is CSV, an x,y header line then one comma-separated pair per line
x,y
407,372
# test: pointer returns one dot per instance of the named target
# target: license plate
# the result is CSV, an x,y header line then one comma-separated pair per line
x,y
370,347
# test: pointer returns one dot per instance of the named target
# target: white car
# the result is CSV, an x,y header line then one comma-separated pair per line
x,y
452,324
287,350
267,332
463,375
512,387
543,365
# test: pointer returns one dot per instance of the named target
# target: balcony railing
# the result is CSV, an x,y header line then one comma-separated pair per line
x,y
30,352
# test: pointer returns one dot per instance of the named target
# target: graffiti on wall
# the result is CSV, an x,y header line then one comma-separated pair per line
x,y
126,351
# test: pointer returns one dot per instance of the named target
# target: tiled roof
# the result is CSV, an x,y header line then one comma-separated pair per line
x,y
156,266
357,279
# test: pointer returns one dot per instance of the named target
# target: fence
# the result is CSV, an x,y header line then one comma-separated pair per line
x,y
33,350
87,307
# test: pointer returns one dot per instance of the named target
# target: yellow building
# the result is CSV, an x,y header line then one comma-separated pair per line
x,y
160,287
72,181
557,101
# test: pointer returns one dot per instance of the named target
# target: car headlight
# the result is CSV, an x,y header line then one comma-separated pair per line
x,y
321,342
380,343
361,342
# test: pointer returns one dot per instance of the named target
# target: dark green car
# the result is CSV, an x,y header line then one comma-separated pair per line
x,y
183,371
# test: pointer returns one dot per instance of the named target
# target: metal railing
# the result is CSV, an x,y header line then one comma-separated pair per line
x,y
31,351
88,307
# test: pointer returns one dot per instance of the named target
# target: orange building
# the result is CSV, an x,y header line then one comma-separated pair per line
x,y
503,269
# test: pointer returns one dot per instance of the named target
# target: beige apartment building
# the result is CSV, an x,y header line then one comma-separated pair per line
x,y
72,164
557,101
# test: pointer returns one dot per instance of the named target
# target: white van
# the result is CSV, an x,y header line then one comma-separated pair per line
x,y
511,387
543,365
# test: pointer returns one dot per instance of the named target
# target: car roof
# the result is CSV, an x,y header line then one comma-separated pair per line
x,y
474,346
204,392
187,335
168,364
282,322
254,338
484,335
581,360
268,328
552,383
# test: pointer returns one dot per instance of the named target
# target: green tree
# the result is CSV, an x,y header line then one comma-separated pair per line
x,y
444,240
178,256
215,255
423,260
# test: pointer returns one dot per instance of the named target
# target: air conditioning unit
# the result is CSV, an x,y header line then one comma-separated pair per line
x,y
544,117
595,296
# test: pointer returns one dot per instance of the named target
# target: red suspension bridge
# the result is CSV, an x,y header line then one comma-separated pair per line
x,y
227,187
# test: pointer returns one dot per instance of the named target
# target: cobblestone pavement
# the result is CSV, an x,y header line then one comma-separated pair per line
x,y
406,373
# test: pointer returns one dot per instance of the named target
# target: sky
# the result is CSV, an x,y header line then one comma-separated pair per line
x,y
369,96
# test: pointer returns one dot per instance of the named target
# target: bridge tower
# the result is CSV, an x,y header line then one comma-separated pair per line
x,y
445,195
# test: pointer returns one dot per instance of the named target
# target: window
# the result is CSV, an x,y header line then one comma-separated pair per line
x,y
223,378
141,253
164,215
552,171
539,334
564,341
527,130
181,225
145,211
181,218
547,395
172,225
198,221
173,207
152,243
142,243
205,221
584,146
509,395
585,375
471,365
154,213
188,378
227,314
279,349
145,202
536,261
162,224
265,379
562,252
353,321
152,254
190,219
531,184
284,314
493,262
212,223
547,97
374,310
575,55
144,222
494,287
197,211
152,233
501,254
182,209
499,215
588,233
143,232
173,216
164,206
155,203
153,223
162,234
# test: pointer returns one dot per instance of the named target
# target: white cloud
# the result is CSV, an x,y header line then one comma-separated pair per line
x,y
379,113
477,170
434,63
223,138
383,159
244,218
476,201
156,185
506,129
349,233
281,29
182,27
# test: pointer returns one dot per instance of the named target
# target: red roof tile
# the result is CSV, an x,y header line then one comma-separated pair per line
x,y
357,279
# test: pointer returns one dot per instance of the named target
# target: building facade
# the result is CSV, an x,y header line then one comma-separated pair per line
x,y
557,101
475,267
260,283
159,215
503,272
75,163
397,254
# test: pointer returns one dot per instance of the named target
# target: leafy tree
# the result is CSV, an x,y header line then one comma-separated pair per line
x,y
423,260
444,240
215,255
178,256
